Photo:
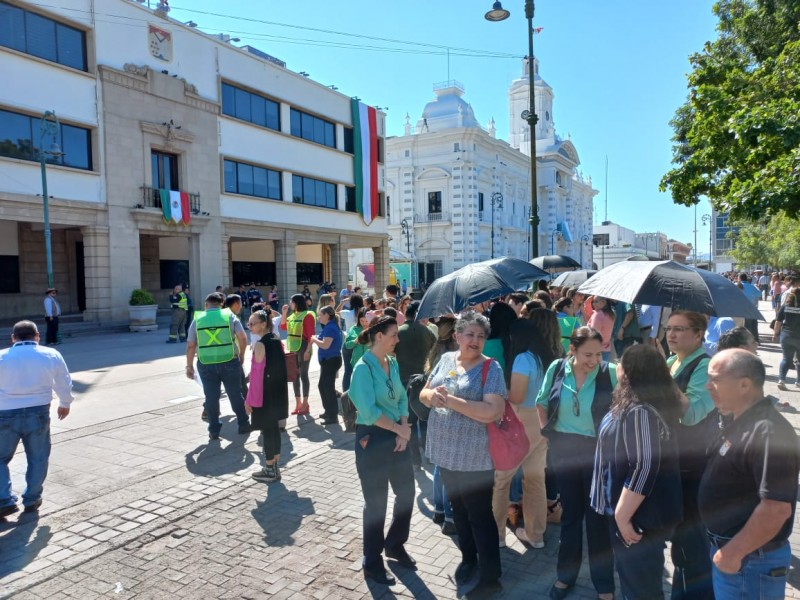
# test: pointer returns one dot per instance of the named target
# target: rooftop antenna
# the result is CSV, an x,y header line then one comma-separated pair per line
x,y
448,64
606,218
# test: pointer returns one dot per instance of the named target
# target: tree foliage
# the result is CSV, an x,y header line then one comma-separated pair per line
x,y
737,137
774,242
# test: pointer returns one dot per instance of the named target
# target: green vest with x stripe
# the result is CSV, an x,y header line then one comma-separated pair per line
x,y
215,342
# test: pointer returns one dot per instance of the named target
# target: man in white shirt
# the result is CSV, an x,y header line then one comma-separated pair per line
x,y
29,374
51,313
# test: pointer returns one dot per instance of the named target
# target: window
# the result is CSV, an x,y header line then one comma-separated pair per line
x,y
456,147
241,178
42,37
165,171
349,144
250,107
480,201
20,136
312,128
313,192
434,202
309,273
388,209
262,273
9,275
172,272
601,239
350,198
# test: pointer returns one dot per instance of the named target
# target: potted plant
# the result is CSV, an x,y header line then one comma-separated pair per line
x,y
142,310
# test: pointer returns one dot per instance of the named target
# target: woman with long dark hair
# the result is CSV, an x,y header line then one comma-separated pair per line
x,y
300,327
501,315
637,482
529,356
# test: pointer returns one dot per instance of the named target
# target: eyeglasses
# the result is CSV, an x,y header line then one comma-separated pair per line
x,y
390,388
677,329
576,405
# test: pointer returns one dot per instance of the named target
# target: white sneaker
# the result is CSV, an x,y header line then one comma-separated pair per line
x,y
523,537
781,385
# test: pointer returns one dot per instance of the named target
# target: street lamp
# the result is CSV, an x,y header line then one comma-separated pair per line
x,y
707,221
405,229
498,13
50,128
584,240
497,198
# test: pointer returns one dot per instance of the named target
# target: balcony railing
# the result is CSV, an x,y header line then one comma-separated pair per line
x,y
437,217
151,198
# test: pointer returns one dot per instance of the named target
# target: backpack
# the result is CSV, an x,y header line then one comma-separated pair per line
x,y
416,383
348,411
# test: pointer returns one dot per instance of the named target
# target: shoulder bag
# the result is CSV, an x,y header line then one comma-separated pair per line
x,y
508,442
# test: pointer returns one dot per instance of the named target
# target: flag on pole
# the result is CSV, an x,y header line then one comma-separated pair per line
x,y
365,160
175,205
186,209
165,207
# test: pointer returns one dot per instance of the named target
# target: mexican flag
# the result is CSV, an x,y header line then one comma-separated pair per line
x,y
165,205
175,206
365,161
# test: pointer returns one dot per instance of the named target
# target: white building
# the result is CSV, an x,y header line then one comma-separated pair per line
x,y
465,196
613,243
147,103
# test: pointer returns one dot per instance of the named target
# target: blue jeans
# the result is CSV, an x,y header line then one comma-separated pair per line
x,y
754,580
32,426
441,503
228,374
789,346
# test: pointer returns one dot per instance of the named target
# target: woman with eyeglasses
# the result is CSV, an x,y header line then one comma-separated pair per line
x,y
267,400
467,390
574,398
688,366
382,457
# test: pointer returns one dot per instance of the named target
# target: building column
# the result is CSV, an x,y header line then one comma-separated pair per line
x,y
286,266
380,255
97,269
340,265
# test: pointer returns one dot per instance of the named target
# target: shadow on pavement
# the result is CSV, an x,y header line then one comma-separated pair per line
x,y
281,514
17,549
212,459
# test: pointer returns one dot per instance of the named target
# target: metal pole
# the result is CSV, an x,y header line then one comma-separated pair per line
x,y
492,236
695,235
532,120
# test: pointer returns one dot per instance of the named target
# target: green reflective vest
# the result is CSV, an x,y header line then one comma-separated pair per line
x,y
294,330
215,343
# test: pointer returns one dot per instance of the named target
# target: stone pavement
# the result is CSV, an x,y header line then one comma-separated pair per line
x,y
138,504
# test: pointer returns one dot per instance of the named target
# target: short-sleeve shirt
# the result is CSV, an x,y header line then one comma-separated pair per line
x,y
789,316
649,316
236,327
456,442
700,402
531,367
375,394
754,457
333,331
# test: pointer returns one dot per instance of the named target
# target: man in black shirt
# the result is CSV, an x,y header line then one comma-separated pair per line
x,y
749,486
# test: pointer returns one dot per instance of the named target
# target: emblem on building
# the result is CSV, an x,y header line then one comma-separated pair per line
x,y
160,42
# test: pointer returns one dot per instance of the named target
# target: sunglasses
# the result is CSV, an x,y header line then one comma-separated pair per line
x,y
390,388
576,405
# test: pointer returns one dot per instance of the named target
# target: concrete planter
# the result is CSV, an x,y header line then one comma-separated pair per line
x,y
143,318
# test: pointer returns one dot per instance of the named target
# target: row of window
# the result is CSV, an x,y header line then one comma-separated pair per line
x,y
20,136
33,34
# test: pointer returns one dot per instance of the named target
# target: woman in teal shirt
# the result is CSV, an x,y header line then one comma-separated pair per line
x,y
382,434
573,399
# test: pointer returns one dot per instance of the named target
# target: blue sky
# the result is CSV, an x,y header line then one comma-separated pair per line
x,y
618,69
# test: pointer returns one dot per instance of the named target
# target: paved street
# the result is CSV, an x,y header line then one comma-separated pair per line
x,y
138,504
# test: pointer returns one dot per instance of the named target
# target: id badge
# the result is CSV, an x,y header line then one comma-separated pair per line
x,y
723,450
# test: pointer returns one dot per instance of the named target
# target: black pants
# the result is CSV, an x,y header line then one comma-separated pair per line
x,y
302,373
641,566
52,330
470,494
271,438
690,548
379,466
329,368
573,456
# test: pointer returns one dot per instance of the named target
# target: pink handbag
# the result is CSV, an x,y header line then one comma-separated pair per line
x,y
508,442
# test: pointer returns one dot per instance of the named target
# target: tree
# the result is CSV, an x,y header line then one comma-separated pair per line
x,y
774,242
737,137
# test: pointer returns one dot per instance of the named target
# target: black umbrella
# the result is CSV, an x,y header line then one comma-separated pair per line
x,y
555,261
476,283
667,283
573,278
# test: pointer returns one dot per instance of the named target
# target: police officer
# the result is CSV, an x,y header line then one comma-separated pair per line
x,y
218,339
179,303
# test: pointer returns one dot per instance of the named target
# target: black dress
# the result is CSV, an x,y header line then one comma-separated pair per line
x,y
275,405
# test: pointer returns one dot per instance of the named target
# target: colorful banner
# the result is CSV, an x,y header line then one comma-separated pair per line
x,y
365,159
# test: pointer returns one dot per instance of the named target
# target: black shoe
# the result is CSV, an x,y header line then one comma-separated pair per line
x,y
323,417
484,590
204,416
449,528
331,421
438,518
245,429
268,474
401,556
8,510
213,437
557,593
465,571
169,341
30,508
382,576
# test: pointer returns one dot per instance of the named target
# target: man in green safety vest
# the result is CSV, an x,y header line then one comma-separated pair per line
x,y
180,305
218,339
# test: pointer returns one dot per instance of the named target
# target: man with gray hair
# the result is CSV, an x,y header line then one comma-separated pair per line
x,y
29,374
749,487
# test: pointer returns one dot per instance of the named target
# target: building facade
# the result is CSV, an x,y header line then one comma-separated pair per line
x,y
151,110
457,195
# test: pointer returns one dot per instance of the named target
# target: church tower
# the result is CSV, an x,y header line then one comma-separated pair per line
x,y
518,102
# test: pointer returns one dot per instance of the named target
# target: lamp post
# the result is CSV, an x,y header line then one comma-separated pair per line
x,y
49,127
707,221
695,236
405,229
584,240
498,13
497,198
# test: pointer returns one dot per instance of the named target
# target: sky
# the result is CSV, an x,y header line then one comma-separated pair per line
x,y
618,70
